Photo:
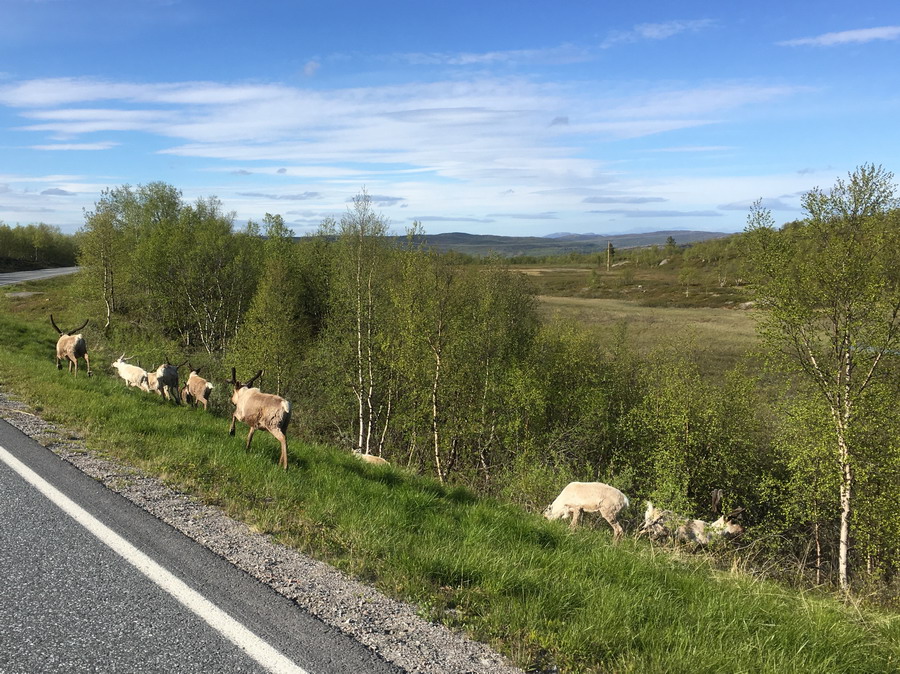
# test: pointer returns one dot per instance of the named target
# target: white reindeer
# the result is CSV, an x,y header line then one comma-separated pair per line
x,y
71,346
132,374
591,497
370,458
260,410
663,524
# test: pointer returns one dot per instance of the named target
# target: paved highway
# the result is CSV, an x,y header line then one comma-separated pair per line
x,y
18,276
91,583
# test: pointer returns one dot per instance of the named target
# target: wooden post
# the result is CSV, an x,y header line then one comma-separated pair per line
x,y
608,255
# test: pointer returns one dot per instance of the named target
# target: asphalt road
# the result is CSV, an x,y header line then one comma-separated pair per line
x,y
18,276
70,601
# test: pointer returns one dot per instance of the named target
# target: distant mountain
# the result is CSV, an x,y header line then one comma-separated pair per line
x,y
557,244
567,235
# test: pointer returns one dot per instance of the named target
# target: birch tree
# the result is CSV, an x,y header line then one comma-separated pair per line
x,y
830,288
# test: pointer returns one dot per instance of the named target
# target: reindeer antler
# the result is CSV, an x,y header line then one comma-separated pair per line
x,y
234,381
80,327
53,323
716,501
734,514
253,379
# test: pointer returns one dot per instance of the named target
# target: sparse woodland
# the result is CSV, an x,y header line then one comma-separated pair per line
x,y
447,368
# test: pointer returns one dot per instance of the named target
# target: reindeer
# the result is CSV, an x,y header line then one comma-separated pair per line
x,y
371,458
663,524
165,380
71,346
260,410
132,374
589,497
196,389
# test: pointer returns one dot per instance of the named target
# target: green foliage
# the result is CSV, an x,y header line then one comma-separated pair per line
x,y
169,268
274,334
831,288
527,586
35,246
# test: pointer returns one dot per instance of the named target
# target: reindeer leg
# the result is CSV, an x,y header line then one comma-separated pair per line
x,y
576,515
618,531
231,430
250,437
88,362
283,460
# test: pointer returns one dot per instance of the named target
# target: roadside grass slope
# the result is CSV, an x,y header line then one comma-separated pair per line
x,y
507,577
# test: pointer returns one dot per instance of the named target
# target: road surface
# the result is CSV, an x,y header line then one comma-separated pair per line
x,y
20,276
91,583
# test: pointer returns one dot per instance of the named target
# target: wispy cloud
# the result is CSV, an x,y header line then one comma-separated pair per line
x,y
559,55
380,200
656,31
548,215
695,148
858,36
442,218
641,213
57,192
622,200
287,197
774,204
104,145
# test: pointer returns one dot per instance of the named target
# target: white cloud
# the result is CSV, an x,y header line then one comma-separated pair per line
x,y
859,36
105,145
695,148
773,204
656,31
562,54
311,68
641,213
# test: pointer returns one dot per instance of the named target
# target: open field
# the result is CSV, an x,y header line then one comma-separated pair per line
x,y
718,338
527,586
661,286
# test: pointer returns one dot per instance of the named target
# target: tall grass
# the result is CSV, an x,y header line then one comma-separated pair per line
x,y
529,587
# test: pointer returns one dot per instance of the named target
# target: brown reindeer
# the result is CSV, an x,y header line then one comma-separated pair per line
x,y
196,389
71,346
260,410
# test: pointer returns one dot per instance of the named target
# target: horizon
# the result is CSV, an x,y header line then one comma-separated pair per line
x,y
528,121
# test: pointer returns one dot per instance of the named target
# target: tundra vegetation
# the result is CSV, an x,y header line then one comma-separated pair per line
x,y
452,370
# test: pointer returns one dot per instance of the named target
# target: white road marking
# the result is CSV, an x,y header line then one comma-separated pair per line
x,y
266,655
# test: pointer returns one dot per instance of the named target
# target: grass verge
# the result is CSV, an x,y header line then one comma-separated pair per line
x,y
529,587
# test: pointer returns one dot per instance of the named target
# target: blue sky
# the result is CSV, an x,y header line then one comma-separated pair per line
x,y
513,118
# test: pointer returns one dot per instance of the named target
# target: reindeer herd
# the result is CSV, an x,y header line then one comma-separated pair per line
x,y
578,498
260,411
272,413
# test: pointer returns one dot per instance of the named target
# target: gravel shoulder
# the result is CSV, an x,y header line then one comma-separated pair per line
x,y
386,626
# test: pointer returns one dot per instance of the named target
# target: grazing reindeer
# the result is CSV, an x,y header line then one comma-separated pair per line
x,y
260,410
71,347
663,524
589,497
196,389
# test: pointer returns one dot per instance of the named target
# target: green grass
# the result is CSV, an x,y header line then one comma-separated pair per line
x,y
720,338
529,587
642,286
